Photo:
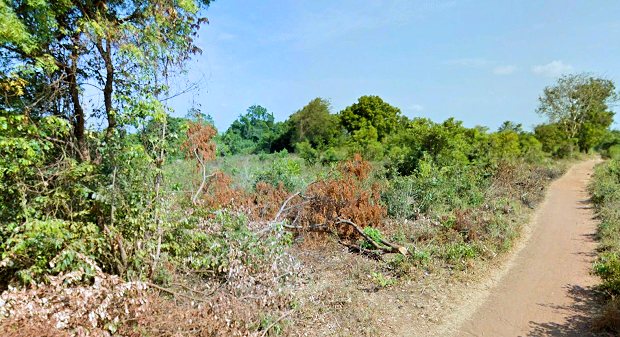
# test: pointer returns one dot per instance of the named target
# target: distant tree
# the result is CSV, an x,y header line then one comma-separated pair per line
x,y
252,132
511,126
371,111
579,106
314,123
553,140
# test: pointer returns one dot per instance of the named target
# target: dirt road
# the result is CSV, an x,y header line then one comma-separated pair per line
x,y
545,289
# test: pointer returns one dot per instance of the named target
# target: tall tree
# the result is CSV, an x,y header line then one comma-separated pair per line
x,y
579,105
118,49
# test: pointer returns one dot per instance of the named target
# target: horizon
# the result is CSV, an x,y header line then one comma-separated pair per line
x,y
431,59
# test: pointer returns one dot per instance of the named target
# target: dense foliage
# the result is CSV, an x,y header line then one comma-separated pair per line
x,y
166,203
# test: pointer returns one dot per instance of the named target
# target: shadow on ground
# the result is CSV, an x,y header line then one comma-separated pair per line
x,y
578,315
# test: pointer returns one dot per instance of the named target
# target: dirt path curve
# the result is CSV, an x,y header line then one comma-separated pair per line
x,y
545,289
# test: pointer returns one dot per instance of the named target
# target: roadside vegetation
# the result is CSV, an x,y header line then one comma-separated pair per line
x,y
605,189
153,225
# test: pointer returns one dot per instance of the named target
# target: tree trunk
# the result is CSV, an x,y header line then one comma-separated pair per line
x,y
109,86
79,121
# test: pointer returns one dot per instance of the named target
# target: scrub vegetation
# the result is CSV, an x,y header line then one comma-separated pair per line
x,y
153,225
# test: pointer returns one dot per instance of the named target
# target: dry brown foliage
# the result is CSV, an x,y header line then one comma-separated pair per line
x,y
110,306
65,307
261,204
220,193
522,181
346,195
470,223
265,202
199,143
342,197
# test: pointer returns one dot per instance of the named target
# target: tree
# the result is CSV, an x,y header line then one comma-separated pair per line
x,y
314,123
511,126
252,132
554,141
371,111
57,176
119,49
579,106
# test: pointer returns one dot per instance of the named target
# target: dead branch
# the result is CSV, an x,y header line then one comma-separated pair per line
x,y
384,245
374,254
284,205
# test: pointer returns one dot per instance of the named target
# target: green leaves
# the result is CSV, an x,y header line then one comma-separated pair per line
x,y
371,111
578,106
41,247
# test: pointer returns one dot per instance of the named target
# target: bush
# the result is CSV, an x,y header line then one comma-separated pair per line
x,y
613,152
286,171
46,247
605,190
434,189
345,194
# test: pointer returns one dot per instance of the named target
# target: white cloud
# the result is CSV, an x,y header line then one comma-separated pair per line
x,y
552,69
504,70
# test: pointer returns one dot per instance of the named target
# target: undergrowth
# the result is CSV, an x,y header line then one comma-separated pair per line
x,y
605,190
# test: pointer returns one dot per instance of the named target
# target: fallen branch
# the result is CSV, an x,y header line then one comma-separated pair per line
x,y
283,206
374,254
273,222
391,248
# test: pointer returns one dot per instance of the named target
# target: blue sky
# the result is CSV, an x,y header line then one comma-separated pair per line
x,y
482,62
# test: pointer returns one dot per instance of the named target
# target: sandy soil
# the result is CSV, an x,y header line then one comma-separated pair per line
x,y
546,288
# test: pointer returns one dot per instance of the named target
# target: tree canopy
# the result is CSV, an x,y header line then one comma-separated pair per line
x,y
313,123
371,112
122,50
579,106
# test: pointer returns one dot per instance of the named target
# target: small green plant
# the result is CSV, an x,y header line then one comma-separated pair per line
x,y
381,280
38,248
460,251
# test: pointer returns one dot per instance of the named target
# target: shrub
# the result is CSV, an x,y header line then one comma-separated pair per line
x,y
232,245
434,189
46,247
614,152
346,196
285,171
605,190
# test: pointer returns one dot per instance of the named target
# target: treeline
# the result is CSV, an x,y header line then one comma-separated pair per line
x,y
577,109
88,202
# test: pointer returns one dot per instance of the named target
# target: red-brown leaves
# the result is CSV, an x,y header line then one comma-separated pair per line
x,y
344,197
347,195
199,143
